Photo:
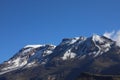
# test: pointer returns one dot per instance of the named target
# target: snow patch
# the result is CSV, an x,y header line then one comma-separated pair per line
x,y
33,46
68,54
97,38
26,50
70,40
47,52
31,64
15,63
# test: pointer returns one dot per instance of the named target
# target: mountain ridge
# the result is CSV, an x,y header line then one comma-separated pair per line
x,y
93,54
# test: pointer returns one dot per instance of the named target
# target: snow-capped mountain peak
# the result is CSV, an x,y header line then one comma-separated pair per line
x,y
102,44
94,46
28,56
69,48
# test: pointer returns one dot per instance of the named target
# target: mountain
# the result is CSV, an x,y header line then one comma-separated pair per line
x,y
66,61
29,56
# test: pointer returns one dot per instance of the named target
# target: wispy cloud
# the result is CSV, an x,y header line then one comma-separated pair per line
x,y
109,34
114,35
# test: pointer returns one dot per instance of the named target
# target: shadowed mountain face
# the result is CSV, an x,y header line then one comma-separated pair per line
x,y
66,61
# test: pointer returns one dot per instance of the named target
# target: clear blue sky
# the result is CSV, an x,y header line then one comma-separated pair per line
x,y
25,22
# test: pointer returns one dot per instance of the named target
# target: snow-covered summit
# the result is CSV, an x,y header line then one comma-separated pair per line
x,y
33,46
69,48
28,56
94,46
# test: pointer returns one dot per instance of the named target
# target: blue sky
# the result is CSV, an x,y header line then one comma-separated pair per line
x,y
25,22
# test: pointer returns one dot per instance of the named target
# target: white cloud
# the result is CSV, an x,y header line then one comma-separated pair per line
x,y
109,34
117,38
114,36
